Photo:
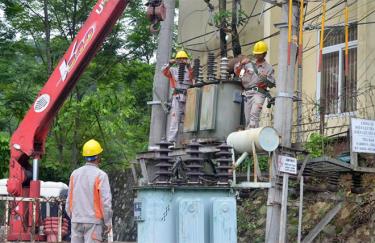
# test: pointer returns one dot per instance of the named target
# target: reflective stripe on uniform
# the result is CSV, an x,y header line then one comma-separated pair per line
x,y
98,206
71,194
167,73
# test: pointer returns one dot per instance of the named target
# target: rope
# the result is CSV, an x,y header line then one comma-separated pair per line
x,y
322,37
346,39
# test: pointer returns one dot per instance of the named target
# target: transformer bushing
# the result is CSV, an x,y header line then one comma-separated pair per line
x,y
194,163
224,69
163,163
224,163
197,65
200,79
181,72
211,67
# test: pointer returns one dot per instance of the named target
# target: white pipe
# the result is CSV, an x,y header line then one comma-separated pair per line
x,y
264,139
241,159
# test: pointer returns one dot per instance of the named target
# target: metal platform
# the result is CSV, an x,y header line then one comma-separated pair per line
x,y
326,165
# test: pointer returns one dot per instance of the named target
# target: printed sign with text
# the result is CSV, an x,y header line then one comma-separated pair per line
x,y
287,164
363,136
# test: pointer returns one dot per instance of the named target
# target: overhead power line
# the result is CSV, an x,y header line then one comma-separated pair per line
x,y
272,35
211,32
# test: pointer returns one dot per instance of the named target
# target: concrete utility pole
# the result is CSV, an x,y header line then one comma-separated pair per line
x,y
161,85
223,26
277,208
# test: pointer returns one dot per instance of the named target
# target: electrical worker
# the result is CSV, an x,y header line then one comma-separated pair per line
x,y
89,199
180,79
257,78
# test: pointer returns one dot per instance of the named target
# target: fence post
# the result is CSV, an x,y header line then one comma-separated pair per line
x,y
59,237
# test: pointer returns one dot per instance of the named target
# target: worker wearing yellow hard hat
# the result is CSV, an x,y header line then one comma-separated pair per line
x,y
257,78
181,55
260,48
91,148
180,75
89,197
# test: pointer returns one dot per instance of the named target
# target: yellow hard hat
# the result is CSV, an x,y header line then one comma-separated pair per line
x,y
181,54
91,148
260,47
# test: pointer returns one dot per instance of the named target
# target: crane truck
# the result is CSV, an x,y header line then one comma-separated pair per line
x,y
28,141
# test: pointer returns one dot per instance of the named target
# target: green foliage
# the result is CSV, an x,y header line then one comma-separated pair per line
x,y
4,154
222,16
262,160
251,217
226,17
317,145
109,101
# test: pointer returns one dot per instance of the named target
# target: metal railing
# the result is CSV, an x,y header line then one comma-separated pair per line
x,y
35,202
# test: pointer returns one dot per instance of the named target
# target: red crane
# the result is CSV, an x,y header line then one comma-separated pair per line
x,y
28,141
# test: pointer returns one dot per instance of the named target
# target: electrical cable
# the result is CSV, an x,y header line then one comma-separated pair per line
x,y
272,35
202,35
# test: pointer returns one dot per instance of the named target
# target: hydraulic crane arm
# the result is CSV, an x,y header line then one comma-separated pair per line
x,y
28,141
29,138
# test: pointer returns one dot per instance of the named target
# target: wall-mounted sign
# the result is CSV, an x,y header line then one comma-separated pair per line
x,y
363,136
287,164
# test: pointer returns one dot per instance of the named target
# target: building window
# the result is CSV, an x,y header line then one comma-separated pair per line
x,y
340,90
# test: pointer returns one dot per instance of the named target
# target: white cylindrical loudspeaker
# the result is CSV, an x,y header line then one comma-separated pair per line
x,y
264,139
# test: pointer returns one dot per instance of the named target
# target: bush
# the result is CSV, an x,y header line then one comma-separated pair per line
x,y
317,145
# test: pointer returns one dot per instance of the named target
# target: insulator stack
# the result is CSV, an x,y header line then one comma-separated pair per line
x,y
181,72
333,181
224,69
194,163
357,183
164,163
197,65
224,163
200,79
211,67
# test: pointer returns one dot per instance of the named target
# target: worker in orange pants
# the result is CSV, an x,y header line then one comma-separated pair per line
x,y
89,202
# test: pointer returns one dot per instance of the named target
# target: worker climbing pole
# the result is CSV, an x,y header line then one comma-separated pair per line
x,y
156,13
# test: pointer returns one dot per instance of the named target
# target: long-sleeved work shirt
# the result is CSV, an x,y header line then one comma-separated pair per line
x,y
89,196
172,74
250,78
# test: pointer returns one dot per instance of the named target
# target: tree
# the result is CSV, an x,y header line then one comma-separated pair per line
x,y
109,101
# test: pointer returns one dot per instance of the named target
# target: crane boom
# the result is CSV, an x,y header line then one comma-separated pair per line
x,y
28,141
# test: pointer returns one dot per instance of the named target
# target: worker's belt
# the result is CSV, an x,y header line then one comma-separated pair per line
x,y
179,91
262,91
252,88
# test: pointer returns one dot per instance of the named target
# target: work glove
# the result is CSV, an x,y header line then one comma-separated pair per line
x,y
262,85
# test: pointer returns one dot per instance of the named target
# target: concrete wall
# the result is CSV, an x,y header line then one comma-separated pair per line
x,y
365,57
193,21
